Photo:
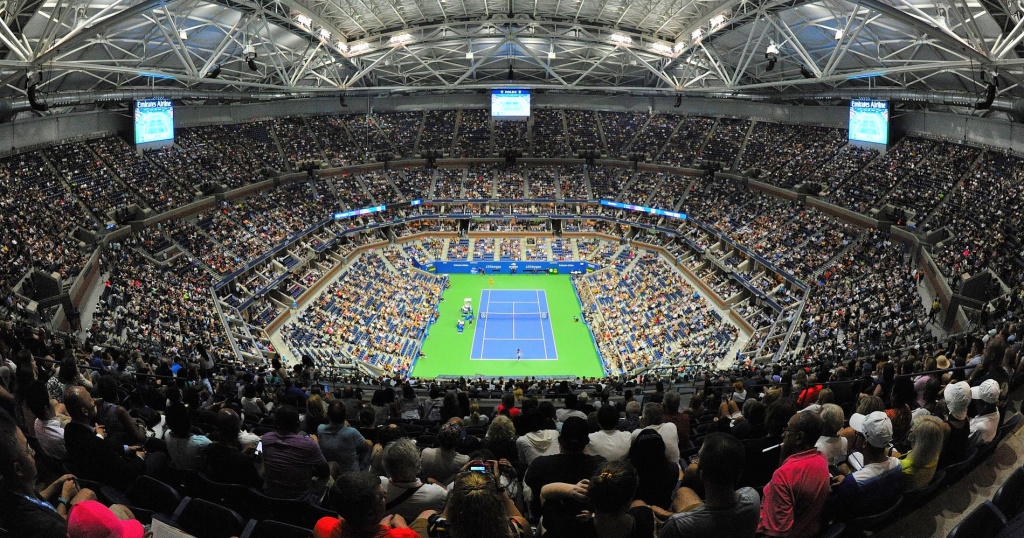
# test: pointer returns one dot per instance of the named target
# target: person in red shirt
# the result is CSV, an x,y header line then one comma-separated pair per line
x,y
797,492
358,498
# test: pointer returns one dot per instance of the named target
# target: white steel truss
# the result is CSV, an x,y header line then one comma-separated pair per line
x,y
667,46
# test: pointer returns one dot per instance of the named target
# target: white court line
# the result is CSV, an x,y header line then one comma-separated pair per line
x,y
542,336
554,343
483,340
513,303
524,358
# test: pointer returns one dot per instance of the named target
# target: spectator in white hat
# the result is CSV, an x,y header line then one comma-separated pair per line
x,y
871,488
957,397
985,425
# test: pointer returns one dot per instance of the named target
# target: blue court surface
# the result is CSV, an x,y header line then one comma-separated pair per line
x,y
513,319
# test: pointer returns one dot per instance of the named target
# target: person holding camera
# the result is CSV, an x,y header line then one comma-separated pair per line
x,y
478,507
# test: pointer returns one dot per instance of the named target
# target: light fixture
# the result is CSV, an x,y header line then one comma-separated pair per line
x,y
772,55
469,55
621,39
182,35
303,20
696,35
661,48
249,55
342,45
839,34
325,34
717,20
359,48
400,39
552,55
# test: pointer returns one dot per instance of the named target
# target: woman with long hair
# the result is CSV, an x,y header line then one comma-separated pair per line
x,y
408,406
316,414
657,477
919,464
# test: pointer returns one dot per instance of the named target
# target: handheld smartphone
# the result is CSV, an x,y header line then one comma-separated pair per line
x,y
479,467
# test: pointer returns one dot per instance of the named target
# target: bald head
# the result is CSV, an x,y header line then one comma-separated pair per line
x,y
79,404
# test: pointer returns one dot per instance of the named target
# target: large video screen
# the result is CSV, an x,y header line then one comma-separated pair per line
x,y
510,103
869,121
154,120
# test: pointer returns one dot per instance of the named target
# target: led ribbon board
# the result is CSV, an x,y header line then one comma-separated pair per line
x,y
358,212
643,209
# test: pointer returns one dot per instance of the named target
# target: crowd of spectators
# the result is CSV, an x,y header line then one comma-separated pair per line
x,y
474,136
983,238
337,144
547,137
157,189
479,182
653,136
38,235
92,180
651,314
724,142
402,128
619,130
511,135
438,130
930,182
584,131
868,188
297,141
372,313
542,182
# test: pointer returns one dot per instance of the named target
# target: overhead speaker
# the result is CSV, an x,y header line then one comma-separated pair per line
x,y
342,101
252,65
771,64
990,96
679,101
33,100
214,72
806,72
511,72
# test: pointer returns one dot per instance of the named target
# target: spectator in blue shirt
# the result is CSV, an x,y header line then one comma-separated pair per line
x,y
340,442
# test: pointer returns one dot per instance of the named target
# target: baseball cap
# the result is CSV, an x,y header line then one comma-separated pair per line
x,y
958,397
876,427
987,392
90,519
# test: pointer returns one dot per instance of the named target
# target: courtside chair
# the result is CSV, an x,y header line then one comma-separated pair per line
x,y
1009,498
985,520
204,519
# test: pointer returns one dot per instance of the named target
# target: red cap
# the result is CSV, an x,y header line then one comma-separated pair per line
x,y
90,519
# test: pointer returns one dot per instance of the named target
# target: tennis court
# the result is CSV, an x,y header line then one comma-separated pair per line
x,y
511,320
448,352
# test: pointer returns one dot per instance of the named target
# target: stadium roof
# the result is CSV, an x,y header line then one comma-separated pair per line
x,y
940,52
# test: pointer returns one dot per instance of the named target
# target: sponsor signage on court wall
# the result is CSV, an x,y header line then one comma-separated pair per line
x,y
506,267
